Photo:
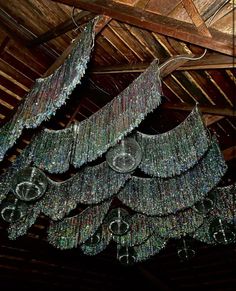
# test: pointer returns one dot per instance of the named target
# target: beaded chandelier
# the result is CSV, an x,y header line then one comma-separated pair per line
x,y
166,184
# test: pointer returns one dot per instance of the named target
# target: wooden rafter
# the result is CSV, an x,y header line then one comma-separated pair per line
x,y
196,17
212,61
220,42
230,153
62,28
204,109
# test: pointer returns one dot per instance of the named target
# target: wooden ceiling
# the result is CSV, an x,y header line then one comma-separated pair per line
x,y
34,33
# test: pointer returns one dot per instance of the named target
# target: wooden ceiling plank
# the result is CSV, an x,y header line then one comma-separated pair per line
x,y
201,89
186,89
164,42
13,80
11,95
177,90
126,37
141,4
219,85
212,8
119,45
157,23
22,35
80,18
19,66
4,44
107,52
196,17
204,109
14,74
12,86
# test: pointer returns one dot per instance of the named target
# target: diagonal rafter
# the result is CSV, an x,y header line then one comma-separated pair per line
x,y
210,109
196,17
62,28
220,41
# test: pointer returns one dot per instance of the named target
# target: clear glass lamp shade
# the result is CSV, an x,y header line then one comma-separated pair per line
x,y
126,255
94,240
11,212
118,221
185,252
125,156
29,184
204,206
222,232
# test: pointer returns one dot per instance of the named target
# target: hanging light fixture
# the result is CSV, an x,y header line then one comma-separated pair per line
x,y
222,231
125,156
29,184
11,211
185,252
94,240
126,255
204,206
118,221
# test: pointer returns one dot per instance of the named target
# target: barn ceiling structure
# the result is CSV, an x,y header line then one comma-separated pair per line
x,y
35,38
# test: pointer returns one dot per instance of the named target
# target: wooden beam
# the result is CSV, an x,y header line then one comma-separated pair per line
x,y
212,61
181,30
62,28
4,44
211,119
196,17
173,63
22,35
141,4
204,109
59,61
229,153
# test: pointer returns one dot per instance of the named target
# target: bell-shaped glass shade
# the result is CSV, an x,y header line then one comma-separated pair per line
x,y
204,206
126,255
185,252
94,240
118,221
29,184
11,212
125,156
222,232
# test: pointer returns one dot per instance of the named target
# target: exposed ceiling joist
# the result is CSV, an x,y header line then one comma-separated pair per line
x,y
230,153
211,109
212,61
63,27
20,34
220,42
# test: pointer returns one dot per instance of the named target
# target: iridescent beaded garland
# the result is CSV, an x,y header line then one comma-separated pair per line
x,y
73,231
92,249
81,143
92,185
174,152
157,196
152,246
225,202
21,162
49,93
225,209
